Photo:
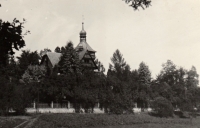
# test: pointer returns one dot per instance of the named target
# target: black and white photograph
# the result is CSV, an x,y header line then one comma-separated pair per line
x,y
99,63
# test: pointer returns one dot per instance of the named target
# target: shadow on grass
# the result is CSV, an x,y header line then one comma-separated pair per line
x,y
180,114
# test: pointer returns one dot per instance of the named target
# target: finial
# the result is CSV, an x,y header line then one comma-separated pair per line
x,y
82,22
82,25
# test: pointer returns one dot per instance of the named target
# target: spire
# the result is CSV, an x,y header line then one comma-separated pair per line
x,y
82,26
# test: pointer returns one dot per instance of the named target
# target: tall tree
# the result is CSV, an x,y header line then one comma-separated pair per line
x,y
192,78
143,88
167,73
11,38
118,65
27,58
119,97
144,74
69,62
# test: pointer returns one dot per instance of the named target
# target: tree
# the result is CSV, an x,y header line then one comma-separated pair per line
x,y
11,38
192,78
118,65
144,85
100,66
138,3
167,74
119,96
183,84
163,107
144,74
43,52
34,73
6,94
27,58
87,92
57,49
13,95
69,61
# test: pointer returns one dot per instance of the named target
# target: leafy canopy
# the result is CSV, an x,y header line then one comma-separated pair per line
x,y
11,38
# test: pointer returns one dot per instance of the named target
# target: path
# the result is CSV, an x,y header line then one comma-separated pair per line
x,y
28,123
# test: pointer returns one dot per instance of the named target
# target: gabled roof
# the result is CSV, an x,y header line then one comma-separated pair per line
x,y
85,47
54,57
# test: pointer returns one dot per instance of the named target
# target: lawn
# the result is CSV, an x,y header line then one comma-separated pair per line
x,y
10,122
112,121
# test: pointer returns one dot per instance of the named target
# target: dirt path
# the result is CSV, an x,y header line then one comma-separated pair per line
x,y
28,123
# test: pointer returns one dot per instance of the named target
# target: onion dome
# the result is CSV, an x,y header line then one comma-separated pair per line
x,y
83,34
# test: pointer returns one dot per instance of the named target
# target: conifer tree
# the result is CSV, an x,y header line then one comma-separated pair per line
x,y
144,74
143,88
69,62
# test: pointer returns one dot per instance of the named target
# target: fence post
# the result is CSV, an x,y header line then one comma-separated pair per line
x,y
136,105
34,104
68,104
51,104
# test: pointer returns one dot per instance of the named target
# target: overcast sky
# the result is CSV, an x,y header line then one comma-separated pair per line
x,y
169,29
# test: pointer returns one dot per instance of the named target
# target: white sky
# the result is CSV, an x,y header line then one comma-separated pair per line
x,y
169,29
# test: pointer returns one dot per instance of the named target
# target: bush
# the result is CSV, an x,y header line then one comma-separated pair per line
x,y
162,107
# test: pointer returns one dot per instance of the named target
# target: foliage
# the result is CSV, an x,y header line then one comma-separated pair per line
x,y
57,49
181,89
14,96
22,98
118,62
192,78
118,90
43,52
11,38
34,73
144,81
6,94
54,88
138,3
144,74
100,66
163,107
27,58
69,61
87,92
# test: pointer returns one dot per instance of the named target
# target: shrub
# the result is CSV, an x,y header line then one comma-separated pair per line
x,y
162,107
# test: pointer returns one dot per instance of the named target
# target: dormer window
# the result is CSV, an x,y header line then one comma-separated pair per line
x,y
80,48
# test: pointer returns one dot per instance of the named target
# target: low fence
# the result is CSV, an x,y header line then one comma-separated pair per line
x,y
66,108
58,110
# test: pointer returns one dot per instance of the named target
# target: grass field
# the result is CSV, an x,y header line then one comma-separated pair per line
x,y
98,121
10,122
112,121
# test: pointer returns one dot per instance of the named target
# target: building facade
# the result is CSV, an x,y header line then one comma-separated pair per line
x,y
85,52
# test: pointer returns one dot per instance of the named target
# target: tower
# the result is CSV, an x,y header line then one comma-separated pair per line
x,y
85,52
